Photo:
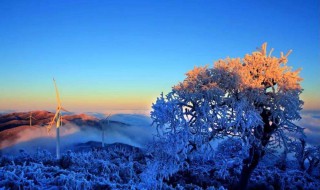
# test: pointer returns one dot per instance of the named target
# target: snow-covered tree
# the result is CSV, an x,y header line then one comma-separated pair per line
x,y
308,157
255,98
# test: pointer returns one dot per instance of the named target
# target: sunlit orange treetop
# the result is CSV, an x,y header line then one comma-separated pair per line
x,y
258,70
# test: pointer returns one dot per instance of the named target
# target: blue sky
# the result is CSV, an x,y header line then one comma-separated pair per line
x,y
109,55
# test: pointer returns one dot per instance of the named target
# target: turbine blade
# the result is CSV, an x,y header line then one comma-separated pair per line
x,y
57,93
51,123
55,116
64,109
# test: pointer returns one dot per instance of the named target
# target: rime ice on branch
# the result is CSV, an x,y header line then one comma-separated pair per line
x,y
255,99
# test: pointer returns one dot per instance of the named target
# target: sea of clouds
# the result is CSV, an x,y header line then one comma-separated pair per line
x,y
129,128
133,129
311,122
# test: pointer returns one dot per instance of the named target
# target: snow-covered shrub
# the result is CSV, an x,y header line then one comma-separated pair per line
x,y
228,159
114,168
45,157
165,157
307,157
279,179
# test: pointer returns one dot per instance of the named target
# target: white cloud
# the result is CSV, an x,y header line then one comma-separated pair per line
x,y
311,122
137,132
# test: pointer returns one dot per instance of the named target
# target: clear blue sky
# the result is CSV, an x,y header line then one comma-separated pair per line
x,y
123,54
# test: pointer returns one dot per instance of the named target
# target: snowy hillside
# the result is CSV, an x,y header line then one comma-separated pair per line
x,y
120,166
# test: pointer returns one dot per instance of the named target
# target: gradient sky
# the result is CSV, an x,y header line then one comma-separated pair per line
x,y
108,55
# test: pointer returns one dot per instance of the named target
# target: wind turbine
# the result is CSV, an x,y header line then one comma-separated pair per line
x,y
102,127
30,117
57,119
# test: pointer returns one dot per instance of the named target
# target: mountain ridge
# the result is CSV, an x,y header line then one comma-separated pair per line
x,y
12,125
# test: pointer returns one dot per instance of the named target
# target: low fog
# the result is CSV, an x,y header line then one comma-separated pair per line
x,y
311,122
132,129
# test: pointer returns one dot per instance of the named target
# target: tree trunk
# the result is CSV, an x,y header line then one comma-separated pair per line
x,y
256,152
248,168
244,178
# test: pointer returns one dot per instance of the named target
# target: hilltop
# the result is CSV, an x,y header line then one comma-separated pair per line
x,y
42,118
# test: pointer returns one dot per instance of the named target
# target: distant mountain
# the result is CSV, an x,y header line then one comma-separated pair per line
x,y
12,125
16,132
42,118
91,145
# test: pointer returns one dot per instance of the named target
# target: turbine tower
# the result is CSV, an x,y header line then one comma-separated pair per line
x,y
57,119
105,121
30,117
